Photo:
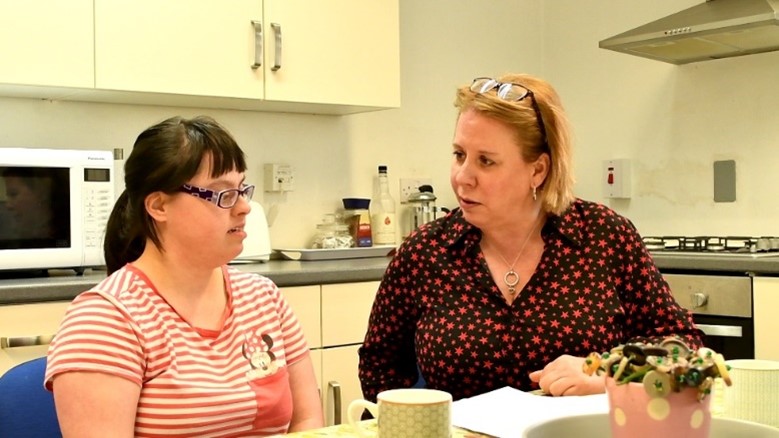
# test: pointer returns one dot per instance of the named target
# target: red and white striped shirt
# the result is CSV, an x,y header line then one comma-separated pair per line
x,y
194,382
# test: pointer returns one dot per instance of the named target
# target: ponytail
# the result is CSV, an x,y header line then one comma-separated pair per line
x,y
124,241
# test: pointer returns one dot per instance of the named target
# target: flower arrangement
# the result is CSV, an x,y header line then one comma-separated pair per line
x,y
664,367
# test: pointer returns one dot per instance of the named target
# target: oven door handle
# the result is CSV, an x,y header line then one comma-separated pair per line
x,y
728,331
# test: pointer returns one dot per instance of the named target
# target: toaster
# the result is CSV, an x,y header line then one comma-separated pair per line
x,y
256,246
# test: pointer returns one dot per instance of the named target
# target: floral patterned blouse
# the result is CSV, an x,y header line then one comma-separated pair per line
x,y
438,308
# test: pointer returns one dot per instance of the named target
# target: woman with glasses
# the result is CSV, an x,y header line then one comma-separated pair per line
x,y
174,342
523,280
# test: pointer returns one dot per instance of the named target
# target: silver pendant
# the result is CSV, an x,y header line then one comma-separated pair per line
x,y
511,279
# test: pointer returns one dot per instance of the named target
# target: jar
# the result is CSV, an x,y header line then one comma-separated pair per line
x,y
358,218
343,237
324,237
331,234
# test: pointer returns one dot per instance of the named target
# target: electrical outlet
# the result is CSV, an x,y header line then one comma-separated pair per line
x,y
279,178
411,185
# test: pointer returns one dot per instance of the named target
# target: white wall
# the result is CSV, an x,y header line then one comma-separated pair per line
x,y
672,121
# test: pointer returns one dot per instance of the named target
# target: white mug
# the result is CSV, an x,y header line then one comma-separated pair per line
x,y
754,394
406,412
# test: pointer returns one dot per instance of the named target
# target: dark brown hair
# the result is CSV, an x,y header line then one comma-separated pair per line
x,y
164,157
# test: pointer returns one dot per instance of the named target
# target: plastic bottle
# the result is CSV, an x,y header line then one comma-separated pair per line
x,y
383,212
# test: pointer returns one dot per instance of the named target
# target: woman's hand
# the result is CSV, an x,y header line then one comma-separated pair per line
x,y
564,376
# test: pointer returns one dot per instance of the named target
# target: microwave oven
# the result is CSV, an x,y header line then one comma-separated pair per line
x,y
54,206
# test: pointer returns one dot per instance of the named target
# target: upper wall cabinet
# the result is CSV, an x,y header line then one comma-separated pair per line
x,y
337,51
45,43
189,47
334,57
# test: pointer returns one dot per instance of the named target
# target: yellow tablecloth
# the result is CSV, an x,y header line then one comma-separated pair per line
x,y
345,430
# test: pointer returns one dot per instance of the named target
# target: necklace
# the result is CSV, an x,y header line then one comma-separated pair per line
x,y
511,278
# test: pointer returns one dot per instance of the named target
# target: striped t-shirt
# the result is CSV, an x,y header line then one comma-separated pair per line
x,y
194,382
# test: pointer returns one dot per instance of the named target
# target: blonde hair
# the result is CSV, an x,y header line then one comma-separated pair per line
x,y
556,192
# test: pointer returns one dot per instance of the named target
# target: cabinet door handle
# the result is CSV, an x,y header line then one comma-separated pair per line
x,y
277,32
335,388
25,341
257,45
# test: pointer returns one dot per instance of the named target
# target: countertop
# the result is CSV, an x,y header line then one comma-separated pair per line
x,y
64,284
732,263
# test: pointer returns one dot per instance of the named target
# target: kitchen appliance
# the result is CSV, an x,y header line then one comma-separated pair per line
x,y
714,246
720,301
54,206
711,30
721,307
256,246
422,208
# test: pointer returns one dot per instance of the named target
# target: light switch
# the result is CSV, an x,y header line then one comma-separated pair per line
x,y
616,178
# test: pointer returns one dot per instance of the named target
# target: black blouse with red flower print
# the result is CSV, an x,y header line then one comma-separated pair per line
x,y
438,307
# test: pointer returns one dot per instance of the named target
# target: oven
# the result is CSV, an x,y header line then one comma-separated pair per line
x,y
721,306
720,300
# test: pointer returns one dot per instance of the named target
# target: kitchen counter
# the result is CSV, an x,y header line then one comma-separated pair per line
x,y
64,284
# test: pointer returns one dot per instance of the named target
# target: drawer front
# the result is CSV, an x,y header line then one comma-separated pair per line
x,y
346,308
306,302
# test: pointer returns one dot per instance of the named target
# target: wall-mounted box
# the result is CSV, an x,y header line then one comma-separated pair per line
x,y
616,179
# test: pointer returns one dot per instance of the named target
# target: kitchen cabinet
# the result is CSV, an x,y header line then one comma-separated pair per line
x,y
28,322
765,296
334,57
344,309
46,44
184,47
339,56
345,312
306,301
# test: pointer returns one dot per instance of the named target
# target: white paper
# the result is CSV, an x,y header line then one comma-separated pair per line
x,y
508,412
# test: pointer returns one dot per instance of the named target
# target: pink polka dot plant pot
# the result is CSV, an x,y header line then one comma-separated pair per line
x,y
633,413
659,389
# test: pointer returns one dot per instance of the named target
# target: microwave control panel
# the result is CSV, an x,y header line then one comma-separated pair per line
x,y
98,196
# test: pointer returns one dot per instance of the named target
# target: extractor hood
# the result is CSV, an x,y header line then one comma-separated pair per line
x,y
711,30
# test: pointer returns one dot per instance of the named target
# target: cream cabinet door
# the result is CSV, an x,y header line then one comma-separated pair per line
x,y
344,52
346,308
306,303
188,47
765,298
345,311
340,382
47,43
25,322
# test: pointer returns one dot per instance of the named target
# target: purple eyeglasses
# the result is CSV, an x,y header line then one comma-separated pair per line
x,y
222,199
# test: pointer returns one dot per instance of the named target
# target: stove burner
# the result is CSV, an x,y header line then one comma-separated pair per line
x,y
711,244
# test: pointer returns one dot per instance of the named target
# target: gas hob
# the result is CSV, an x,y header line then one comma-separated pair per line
x,y
713,246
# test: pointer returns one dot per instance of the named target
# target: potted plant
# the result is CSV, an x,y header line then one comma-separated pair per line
x,y
659,389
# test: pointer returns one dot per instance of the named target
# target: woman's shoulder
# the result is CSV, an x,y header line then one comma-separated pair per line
x,y
250,287
595,212
445,230
121,285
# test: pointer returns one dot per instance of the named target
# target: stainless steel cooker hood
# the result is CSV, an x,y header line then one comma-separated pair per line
x,y
711,30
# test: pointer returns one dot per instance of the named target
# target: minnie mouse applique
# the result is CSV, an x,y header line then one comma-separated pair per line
x,y
261,359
